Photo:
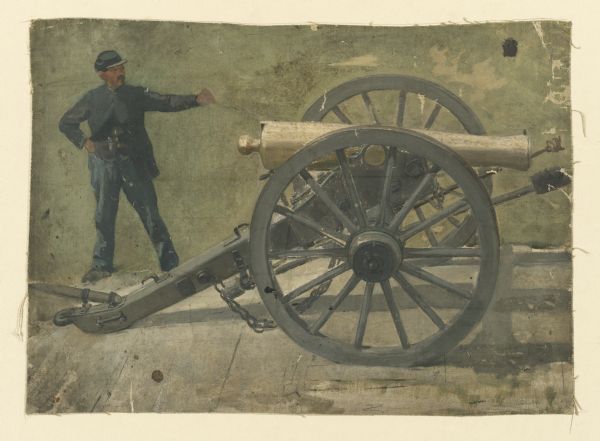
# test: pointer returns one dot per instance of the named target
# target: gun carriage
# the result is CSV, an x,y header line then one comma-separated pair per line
x,y
371,243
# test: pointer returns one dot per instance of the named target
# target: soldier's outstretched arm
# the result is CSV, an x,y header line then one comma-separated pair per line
x,y
70,122
174,103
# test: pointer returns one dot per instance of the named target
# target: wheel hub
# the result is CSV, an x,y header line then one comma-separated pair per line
x,y
375,255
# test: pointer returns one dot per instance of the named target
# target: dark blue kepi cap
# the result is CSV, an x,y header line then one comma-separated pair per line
x,y
108,59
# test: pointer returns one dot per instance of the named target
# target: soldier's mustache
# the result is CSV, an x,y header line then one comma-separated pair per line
x,y
121,77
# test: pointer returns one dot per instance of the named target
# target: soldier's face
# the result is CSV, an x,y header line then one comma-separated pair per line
x,y
114,76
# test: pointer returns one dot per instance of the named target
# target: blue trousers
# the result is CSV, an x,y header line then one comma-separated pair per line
x,y
108,178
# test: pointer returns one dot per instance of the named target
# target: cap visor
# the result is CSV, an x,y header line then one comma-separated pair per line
x,y
117,64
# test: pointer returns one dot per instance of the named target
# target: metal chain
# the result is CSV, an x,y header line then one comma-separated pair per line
x,y
316,293
256,324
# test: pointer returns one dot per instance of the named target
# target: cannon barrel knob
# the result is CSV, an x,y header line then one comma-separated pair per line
x,y
247,144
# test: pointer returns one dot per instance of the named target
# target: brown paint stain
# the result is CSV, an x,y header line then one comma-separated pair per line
x,y
482,77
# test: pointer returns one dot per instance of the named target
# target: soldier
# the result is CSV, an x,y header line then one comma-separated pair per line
x,y
120,156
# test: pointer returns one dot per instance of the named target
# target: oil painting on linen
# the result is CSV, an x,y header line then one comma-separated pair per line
x,y
300,219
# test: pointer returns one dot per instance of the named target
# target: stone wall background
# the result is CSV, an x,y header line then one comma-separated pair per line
x,y
270,73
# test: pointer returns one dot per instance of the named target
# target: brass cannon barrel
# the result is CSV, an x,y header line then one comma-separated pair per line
x,y
280,140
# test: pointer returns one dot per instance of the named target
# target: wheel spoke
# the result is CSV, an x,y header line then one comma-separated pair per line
x,y
454,188
341,115
430,236
417,227
389,298
435,280
334,235
369,106
433,116
310,253
454,221
315,282
420,301
451,189
318,190
351,187
288,266
284,200
400,109
414,253
347,289
443,192
387,185
409,204
364,314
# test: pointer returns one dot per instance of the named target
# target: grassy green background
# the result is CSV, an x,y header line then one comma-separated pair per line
x,y
264,73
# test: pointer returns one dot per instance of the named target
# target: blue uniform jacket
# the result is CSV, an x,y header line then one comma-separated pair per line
x,y
104,108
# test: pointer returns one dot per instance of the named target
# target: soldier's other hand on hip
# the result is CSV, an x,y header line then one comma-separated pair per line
x,y
89,145
205,97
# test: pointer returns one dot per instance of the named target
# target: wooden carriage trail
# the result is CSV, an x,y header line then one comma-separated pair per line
x,y
198,356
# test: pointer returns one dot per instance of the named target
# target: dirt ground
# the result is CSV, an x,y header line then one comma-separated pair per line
x,y
198,356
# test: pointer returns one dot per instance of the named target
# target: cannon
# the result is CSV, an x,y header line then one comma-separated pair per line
x,y
371,242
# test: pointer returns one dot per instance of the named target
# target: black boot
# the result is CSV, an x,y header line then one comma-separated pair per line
x,y
94,274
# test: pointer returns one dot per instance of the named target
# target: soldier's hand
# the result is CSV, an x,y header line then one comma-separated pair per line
x,y
205,97
89,145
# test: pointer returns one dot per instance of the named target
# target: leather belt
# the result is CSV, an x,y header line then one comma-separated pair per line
x,y
108,148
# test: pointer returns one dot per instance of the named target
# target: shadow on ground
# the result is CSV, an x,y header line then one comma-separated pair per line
x,y
507,360
501,360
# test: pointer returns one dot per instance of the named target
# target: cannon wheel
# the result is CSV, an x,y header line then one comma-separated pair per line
x,y
371,257
332,102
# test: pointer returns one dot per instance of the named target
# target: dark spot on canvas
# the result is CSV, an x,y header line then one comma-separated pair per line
x,y
510,47
157,376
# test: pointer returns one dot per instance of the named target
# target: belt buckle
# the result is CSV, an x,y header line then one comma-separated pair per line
x,y
114,139
111,144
